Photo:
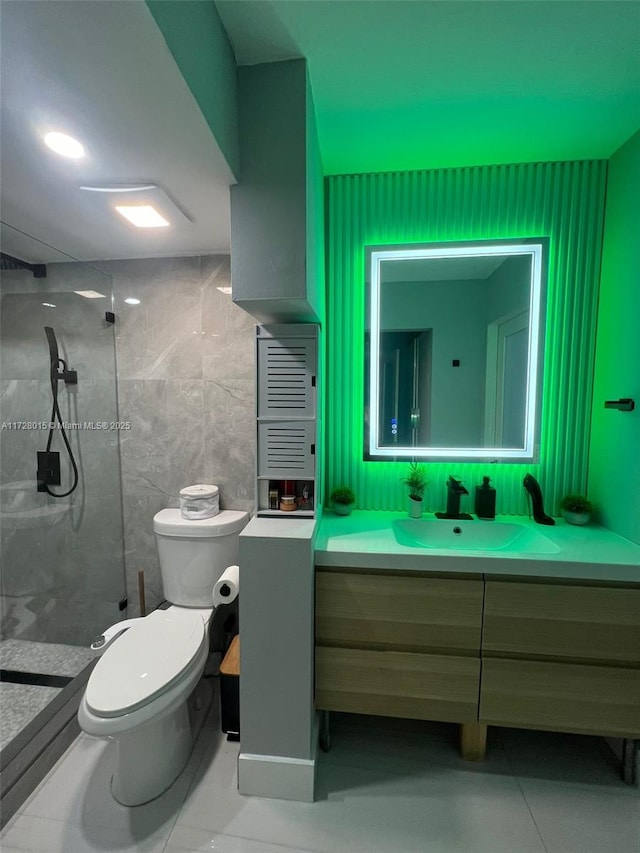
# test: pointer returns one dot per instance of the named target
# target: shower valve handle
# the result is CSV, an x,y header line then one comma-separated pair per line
x,y
70,377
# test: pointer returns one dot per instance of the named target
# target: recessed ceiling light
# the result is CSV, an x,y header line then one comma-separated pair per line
x,y
131,300
64,145
142,215
224,289
90,294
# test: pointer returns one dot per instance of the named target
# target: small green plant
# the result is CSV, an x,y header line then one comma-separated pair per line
x,y
342,495
416,480
575,503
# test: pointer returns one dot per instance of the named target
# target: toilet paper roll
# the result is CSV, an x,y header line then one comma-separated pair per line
x,y
227,587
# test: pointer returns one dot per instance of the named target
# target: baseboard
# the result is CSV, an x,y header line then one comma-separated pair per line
x,y
277,776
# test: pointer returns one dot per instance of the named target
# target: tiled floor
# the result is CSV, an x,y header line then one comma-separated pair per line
x,y
388,786
47,658
20,703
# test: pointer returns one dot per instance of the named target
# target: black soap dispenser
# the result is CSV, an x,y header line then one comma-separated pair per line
x,y
485,504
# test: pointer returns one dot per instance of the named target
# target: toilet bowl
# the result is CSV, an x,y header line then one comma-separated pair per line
x,y
137,693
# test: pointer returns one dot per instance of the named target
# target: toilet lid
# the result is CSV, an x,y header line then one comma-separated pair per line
x,y
147,659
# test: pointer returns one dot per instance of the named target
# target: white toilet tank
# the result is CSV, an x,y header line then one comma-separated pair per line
x,y
194,553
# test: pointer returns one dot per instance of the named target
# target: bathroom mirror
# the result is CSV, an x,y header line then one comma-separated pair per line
x,y
453,350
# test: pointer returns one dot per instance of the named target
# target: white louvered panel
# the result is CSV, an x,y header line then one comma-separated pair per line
x,y
286,373
285,450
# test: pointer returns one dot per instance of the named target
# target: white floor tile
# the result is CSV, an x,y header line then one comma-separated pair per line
x,y
386,787
80,794
185,839
577,820
30,834
79,791
568,759
435,808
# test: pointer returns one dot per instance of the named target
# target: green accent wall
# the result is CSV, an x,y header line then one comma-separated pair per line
x,y
200,47
315,269
614,466
563,201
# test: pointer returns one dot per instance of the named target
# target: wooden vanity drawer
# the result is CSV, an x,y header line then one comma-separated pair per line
x,y
561,697
595,624
395,611
397,684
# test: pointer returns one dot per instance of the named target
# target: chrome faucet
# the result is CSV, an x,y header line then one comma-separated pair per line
x,y
455,490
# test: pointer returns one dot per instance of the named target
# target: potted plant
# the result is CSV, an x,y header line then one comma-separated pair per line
x,y
342,499
576,509
416,480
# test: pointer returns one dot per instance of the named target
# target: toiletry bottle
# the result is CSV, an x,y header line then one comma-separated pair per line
x,y
485,504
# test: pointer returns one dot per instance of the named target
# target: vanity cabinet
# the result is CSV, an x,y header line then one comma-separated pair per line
x,y
561,656
479,650
398,644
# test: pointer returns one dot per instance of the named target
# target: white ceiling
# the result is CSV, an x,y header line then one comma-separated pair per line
x,y
415,84
102,72
476,268
398,84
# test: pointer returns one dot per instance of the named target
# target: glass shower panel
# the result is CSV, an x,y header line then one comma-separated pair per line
x,y
62,558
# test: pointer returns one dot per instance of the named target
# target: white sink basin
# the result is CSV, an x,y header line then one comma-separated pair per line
x,y
472,536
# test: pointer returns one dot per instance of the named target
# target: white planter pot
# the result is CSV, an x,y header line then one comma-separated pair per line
x,y
342,509
576,517
415,508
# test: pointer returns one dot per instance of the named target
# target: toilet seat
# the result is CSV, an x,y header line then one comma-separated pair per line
x,y
146,661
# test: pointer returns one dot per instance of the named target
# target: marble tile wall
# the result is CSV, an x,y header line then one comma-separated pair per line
x,y
184,364
62,559
185,357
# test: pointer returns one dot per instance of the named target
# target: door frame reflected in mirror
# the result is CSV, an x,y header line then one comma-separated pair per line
x,y
528,450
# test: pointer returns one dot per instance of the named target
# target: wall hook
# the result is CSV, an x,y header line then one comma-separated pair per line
x,y
624,404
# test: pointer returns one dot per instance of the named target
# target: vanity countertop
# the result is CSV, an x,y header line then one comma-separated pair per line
x,y
365,539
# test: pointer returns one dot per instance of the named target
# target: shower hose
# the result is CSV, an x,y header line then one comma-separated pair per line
x,y
56,361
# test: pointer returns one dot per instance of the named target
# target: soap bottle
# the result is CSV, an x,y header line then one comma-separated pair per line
x,y
485,503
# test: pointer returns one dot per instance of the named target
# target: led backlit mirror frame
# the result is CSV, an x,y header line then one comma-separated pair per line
x,y
537,249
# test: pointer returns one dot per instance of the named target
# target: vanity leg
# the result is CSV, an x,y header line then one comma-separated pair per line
x,y
630,761
473,741
325,734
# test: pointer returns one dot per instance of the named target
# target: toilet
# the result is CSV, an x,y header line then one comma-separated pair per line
x,y
137,693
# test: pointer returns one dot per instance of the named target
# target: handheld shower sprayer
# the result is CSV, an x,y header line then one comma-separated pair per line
x,y
53,346
70,377
48,473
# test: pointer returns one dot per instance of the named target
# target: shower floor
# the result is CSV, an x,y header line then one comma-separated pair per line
x,y
32,675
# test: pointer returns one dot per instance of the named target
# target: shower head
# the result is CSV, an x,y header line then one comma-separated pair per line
x,y
8,262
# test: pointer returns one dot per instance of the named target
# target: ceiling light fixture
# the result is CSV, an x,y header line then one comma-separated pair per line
x,y
48,305
118,188
64,145
142,215
147,193
131,300
90,294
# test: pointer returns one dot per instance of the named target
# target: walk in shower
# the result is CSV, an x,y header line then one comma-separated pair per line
x,y
61,529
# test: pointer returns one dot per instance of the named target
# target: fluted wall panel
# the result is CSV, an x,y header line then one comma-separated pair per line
x,y
561,201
